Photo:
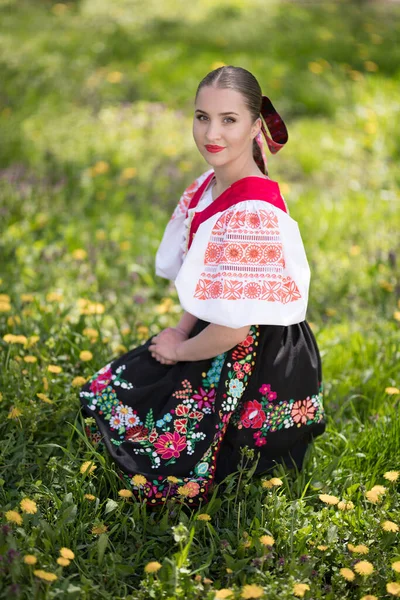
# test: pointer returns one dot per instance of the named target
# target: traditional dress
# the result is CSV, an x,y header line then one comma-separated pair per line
x,y
173,430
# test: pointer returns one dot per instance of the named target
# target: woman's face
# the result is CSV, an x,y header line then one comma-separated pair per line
x,y
232,131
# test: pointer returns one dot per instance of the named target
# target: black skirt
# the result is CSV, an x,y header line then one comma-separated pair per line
x,y
174,430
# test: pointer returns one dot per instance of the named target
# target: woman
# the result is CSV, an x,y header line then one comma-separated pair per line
x,y
242,367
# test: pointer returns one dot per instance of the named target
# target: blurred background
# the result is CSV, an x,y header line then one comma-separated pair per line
x,y
96,108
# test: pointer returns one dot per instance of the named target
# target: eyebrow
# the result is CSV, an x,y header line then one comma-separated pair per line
x,y
220,114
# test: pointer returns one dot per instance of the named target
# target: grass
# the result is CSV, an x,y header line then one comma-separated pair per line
x,y
95,114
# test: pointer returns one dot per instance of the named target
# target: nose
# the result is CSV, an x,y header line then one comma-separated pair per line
x,y
213,132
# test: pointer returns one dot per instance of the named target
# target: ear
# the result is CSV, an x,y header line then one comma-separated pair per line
x,y
256,127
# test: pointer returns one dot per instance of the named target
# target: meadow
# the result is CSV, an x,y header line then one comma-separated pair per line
x,y
96,108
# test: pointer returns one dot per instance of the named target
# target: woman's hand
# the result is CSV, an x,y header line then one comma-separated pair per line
x,y
164,345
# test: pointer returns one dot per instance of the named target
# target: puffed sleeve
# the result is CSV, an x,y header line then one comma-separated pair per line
x,y
246,265
169,255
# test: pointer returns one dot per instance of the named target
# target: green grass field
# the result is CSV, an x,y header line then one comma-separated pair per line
x,y
96,102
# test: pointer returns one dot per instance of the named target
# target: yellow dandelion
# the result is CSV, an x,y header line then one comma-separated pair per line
x,y
229,571
393,588
276,481
5,298
375,494
392,390
359,549
128,173
90,332
64,562
79,254
391,475
203,517
327,499
5,307
172,479
322,547
139,480
299,589
27,297
183,490
152,567
99,529
252,591
100,167
90,497
396,566
78,381
114,77
20,339
67,553
347,574
390,526
364,567
45,575
30,559
125,493
30,359
28,506
9,338
267,484
396,315
12,516
88,467
44,398
85,355
54,297
342,505
369,597
13,320
14,413
223,593
267,540
54,369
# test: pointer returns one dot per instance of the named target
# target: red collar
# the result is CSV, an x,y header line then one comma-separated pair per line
x,y
248,188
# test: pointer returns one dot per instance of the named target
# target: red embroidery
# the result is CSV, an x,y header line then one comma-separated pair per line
x,y
244,260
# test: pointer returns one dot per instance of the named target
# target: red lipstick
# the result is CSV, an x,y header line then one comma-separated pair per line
x,y
214,148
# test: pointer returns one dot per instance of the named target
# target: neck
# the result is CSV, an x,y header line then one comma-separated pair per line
x,y
227,174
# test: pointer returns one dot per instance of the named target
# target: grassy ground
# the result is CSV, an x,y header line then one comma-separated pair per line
x,y
95,117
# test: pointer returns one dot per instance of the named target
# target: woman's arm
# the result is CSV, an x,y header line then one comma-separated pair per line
x,y
213,340
186,323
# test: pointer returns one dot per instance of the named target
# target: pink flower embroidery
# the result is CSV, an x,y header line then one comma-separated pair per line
x,y
302,411
272,395
264,389
240,374
193,488
205,399
252,414
247,367
237,366
101,381
170,445
248,341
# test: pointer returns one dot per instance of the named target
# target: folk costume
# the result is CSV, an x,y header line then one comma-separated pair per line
x,y
237,260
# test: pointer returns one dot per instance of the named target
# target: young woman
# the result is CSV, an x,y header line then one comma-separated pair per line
x,y
242,366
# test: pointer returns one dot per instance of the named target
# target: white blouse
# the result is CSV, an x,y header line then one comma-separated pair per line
x,y
246,264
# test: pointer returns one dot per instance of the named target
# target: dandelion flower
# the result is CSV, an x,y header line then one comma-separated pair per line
x,y
207,581
28,506
30,359
45,575
396,566
67,553
54,369
347,574
203,517
328,499
87,468
99,529
267,540
14,413
44,398
390,526
139,480
223,593
125,493
86,355
375,494
342,505
392,390
322,547
359,549
79,254
393,588
30,559
364,567
369,597
252,591
299,589
64,562
78,381
89,497
391,475
152,567
267,484
12,516
183,490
